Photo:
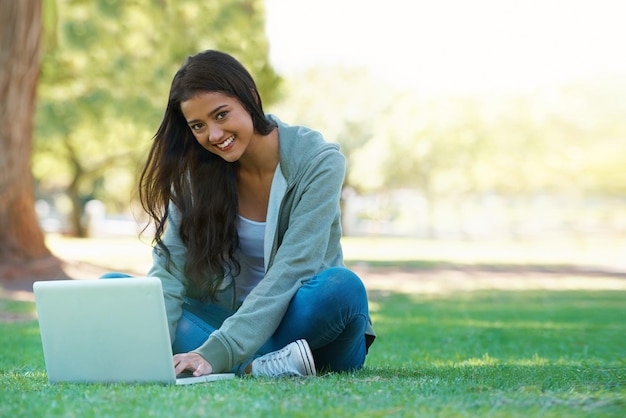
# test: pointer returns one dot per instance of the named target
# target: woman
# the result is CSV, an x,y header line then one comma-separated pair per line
x,y
247,219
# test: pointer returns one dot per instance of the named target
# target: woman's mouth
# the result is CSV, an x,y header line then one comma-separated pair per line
x,y
226,143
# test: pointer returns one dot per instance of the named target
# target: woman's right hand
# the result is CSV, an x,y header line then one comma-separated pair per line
x,y
192,362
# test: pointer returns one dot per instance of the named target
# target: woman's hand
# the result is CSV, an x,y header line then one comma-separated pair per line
x,y
193,362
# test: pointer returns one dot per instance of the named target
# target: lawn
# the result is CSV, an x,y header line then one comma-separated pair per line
x,y
483,353
466,353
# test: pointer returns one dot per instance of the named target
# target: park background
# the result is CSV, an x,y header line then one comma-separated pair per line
x,y
485,149
488,122
487,119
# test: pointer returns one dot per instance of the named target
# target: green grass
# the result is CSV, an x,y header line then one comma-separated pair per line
x,y
484,353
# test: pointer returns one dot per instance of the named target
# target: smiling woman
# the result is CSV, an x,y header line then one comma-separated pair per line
x,y
250,261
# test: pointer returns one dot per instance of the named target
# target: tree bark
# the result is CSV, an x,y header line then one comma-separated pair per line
x,y
23,253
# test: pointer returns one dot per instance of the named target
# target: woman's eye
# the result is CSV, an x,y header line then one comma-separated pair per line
x,y
196,126
221,115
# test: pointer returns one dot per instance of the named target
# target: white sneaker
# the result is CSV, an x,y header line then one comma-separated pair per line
x,y
294,359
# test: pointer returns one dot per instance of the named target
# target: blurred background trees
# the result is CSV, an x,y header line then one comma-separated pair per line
x,y
105,79
419,164
22,248
512,163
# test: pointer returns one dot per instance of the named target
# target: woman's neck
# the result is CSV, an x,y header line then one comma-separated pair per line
x,y
261,157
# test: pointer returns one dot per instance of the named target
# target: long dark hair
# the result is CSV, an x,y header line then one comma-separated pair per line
x,y
202,185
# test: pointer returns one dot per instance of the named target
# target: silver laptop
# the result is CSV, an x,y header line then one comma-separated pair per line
x,y
107,331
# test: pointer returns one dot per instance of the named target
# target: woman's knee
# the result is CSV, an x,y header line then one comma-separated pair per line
x,y
344,281
334,288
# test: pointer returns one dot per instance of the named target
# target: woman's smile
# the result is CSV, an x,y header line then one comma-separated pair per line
x,y
226,144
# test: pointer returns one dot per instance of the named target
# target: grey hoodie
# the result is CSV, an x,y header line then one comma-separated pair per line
x,y
302,239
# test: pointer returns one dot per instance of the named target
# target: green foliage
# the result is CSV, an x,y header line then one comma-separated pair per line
x,y
560,139
106,78
108,65
485,353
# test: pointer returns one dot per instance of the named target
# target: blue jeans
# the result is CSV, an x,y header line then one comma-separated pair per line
x,y
330,311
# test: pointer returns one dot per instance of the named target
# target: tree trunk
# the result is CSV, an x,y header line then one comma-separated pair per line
x,y
24,256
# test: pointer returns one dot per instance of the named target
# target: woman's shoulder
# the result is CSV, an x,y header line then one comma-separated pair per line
x,y
301,141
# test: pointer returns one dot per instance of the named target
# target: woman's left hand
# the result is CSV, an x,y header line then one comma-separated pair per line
x,y
193,362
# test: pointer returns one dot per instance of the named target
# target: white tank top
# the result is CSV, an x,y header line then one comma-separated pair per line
x,y
251,238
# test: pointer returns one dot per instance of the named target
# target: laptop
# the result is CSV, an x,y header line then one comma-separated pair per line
x,y
107,331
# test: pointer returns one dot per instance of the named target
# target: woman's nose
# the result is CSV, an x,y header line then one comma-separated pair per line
x,y
215,133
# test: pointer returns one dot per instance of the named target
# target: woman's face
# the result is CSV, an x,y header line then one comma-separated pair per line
x,y
219,123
